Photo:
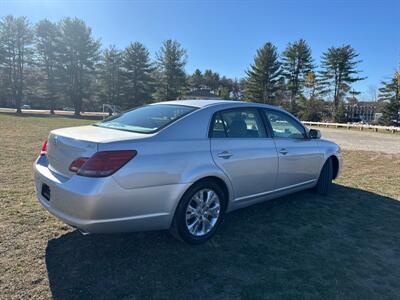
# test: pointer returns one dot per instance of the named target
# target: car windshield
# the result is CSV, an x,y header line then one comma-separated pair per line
x,y
147,119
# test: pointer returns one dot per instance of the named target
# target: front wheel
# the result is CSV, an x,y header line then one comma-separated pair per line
x,y
199,213
325,178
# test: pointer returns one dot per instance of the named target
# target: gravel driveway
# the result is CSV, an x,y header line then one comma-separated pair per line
x,y
362,140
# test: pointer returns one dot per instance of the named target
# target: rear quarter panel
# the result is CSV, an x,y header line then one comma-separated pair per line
x,y
164,162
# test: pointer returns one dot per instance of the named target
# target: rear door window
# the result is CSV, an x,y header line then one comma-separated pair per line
x,y
238,123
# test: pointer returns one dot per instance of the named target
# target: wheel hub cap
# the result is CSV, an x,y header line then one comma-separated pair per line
x,y
202,212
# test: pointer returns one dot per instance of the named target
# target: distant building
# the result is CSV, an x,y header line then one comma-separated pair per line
x,y
203,93
363,111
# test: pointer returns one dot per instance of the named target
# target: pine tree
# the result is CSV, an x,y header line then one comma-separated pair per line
x,y
263,76
390,93
196,80
171,61
79,56
236,90
226,88
339,72
3,87
110,78
47,38
16,37
138,83
297,63
352,98
211,80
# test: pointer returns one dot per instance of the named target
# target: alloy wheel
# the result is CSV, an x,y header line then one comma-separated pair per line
x,y
202,212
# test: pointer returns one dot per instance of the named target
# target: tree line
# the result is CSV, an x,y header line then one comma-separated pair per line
x,y
58,64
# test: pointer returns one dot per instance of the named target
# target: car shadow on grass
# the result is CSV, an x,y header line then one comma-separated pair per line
x,y
345,245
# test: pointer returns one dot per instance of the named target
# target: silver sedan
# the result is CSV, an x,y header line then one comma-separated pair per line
x,y
179,165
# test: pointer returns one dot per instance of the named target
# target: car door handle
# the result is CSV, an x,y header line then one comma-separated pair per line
x,y
224,154
283,151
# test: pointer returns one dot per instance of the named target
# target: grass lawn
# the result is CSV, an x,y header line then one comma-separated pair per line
x,y
345,245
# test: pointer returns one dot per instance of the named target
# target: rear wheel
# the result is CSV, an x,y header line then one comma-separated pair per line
x,y
325,178
199,213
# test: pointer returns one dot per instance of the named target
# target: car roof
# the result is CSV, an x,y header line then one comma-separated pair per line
x,y
205,103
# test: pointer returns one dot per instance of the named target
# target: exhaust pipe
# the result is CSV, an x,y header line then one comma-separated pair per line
x,y
81,231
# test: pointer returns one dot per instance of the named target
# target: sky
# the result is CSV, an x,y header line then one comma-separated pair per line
x,y
224,35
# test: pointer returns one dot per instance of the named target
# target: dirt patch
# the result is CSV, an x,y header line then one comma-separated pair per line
x,y
363,140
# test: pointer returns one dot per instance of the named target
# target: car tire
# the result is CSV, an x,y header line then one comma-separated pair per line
x,y
325,178
181,224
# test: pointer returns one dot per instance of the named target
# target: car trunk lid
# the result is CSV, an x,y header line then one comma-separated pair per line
x,y
67,144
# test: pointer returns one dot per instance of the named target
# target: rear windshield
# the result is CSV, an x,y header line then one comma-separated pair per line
x,y
147,119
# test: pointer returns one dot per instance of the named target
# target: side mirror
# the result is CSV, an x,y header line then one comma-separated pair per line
x,y
314,134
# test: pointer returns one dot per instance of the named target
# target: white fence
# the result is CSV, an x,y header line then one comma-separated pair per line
x,y
361,127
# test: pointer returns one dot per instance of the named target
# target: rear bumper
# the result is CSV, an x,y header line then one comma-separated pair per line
x,y
101,205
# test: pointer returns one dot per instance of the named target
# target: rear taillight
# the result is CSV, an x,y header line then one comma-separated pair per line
x,y
77,164
43,151
102,164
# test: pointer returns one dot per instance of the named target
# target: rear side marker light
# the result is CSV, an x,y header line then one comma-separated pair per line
x,y
102,164
43,151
